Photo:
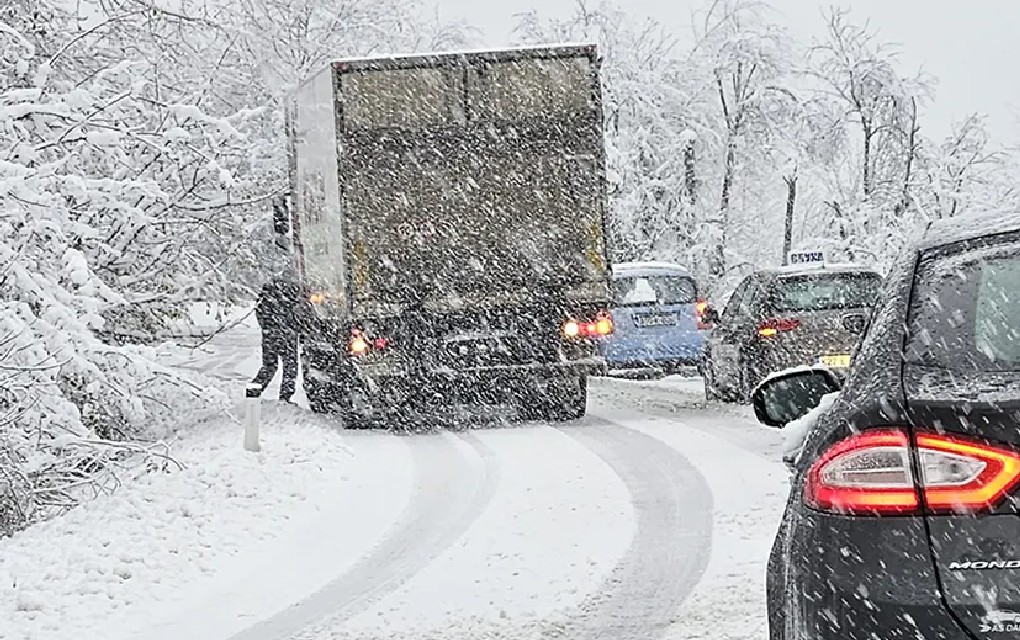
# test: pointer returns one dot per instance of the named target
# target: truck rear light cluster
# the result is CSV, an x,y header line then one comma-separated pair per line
x,y
601,327
873,473
772,327
360,344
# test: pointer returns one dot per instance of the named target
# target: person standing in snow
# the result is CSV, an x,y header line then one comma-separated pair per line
x,y
283,312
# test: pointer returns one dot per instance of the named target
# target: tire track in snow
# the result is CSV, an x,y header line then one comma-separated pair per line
x,y
725,421
673,506
456,478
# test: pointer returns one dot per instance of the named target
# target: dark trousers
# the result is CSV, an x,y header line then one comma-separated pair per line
x,y
278,346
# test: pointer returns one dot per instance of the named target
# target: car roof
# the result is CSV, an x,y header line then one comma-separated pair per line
x,y
648,268
967,227
808,269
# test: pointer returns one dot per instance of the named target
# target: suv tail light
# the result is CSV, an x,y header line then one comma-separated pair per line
x,y
873,473
601,327
774,326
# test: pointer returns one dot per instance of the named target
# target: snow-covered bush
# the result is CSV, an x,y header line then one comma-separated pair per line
x,y
104,194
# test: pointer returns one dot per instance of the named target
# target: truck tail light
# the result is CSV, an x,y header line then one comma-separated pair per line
x,y
872,473
772,327
600,327
360,344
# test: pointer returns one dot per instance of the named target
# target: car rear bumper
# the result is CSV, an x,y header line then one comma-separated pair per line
x,y
382,390
855,579
621,356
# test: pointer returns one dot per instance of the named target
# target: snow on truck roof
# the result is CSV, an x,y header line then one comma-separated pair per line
x,y
939,233
637,268
565,47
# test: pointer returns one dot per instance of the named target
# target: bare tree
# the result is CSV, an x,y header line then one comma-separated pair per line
x,y
748,58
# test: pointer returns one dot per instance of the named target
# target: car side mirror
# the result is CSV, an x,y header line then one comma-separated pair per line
x,y
855,323
785,397
711,316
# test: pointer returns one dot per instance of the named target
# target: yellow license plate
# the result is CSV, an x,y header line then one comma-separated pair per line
x,y
839,362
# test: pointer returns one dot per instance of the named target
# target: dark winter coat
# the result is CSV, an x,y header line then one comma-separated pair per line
x,y
283,308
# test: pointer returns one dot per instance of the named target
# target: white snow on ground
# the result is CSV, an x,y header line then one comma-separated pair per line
x,y
669,394
234,538
748,496
231,538
558,523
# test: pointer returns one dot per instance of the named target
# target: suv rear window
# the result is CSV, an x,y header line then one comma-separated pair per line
x,y
822,291
966,308
640,291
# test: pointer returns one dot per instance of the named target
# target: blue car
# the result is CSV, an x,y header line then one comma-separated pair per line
x,y
658,319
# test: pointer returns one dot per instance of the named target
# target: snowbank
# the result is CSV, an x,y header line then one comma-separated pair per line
x,y
678,391
230,523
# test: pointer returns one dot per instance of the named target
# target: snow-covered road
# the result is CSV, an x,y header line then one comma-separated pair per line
x,y
651,518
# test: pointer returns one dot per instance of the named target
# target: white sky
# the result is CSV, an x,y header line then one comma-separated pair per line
x,y
971,46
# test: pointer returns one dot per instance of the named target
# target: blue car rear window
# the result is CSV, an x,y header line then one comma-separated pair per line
x,y
641,291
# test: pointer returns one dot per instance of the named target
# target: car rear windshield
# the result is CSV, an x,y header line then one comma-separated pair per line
x,y
821,291
642,291
965,313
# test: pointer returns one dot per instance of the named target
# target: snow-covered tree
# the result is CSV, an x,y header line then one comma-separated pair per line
x,y
140,154
749,59
964,171
880,106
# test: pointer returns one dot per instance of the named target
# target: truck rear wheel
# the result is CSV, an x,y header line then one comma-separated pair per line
x,y
561,402
320,398
325,398
573,405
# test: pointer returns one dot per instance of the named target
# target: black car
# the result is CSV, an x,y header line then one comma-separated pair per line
x,y
786,317
904,514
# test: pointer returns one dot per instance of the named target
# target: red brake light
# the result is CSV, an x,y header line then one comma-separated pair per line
x,y
601,327
360,344
872,473
964,475
773,326
571,329
868,473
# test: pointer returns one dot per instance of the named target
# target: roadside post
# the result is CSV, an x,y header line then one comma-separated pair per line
x,y
252,416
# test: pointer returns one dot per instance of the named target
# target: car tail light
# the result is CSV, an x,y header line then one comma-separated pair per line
x,y
700,308
873,473
774,326
964,475
601,327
